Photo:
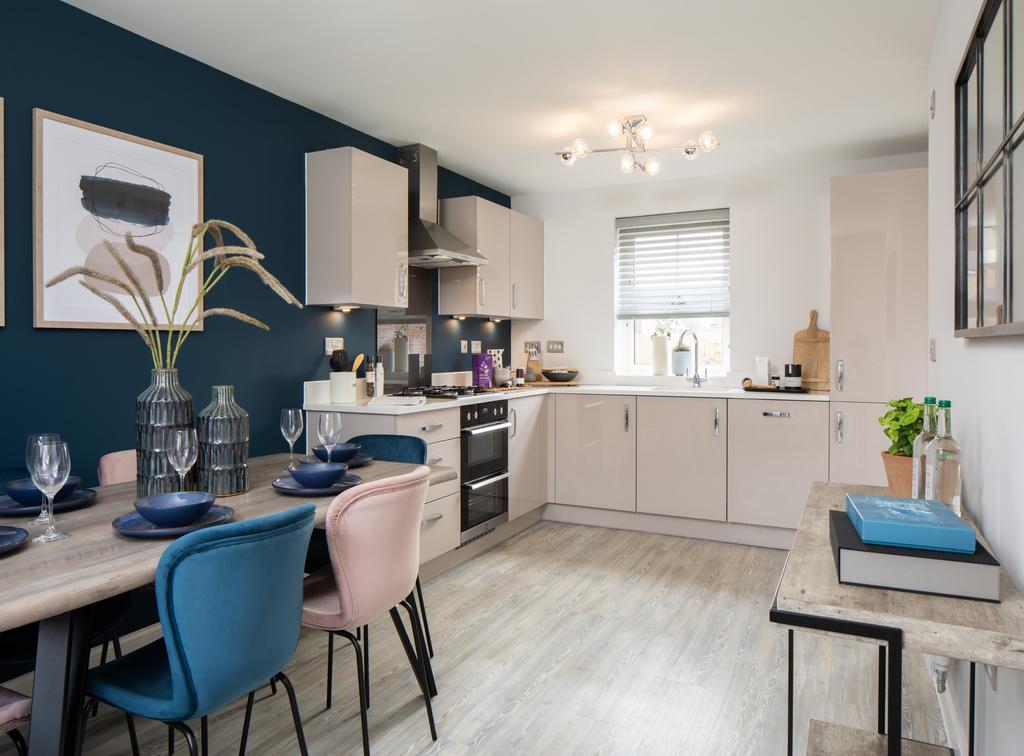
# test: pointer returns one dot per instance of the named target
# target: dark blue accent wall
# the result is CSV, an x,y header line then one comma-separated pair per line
x,y
83,383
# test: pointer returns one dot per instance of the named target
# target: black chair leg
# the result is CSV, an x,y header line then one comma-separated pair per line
x,y
204,727
273,687
19,742
330,666
362,689
131,733
423,614
300,736
366,662
245,723
170,740
410,653
190,737
421,648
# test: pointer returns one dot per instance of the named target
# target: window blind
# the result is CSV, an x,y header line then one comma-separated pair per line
x,y
672,266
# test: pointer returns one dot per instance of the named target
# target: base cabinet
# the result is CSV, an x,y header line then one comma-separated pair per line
x,y
776,450
681,457
856,443
527,454
440,529
595,451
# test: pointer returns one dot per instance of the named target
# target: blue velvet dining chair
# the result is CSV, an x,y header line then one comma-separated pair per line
x,y
230,605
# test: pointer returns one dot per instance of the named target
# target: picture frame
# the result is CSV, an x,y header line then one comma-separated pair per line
x,y
93,184
3,304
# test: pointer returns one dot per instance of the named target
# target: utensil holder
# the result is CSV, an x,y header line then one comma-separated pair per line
x,y
343,388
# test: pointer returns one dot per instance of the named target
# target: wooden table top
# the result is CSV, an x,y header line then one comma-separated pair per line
x,y
978,631
41,580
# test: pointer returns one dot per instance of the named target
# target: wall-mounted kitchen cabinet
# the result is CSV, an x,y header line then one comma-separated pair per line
x,y
681,457
595,451
483,290
357,230
527,265
856,444
527,454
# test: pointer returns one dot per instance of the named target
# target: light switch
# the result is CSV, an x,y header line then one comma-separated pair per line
x,y
464,346
477,347
332,344
555,347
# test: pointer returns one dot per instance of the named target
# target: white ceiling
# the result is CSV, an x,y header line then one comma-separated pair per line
x,y
498,87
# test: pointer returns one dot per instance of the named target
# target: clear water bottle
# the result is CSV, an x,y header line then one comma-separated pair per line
x,y
942,474
920,444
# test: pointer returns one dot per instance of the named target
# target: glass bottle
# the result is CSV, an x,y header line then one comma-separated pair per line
x,y
920,443
942,474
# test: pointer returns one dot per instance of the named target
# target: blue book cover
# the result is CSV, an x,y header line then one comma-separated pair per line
x,y
909,524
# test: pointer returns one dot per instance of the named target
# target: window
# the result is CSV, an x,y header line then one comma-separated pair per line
x,y
672,273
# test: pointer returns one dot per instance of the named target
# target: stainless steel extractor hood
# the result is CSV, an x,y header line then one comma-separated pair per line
x,y
430,245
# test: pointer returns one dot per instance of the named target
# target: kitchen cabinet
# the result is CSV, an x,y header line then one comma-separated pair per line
x,y
856,443
777,448
527,454
879,287
483,290
527,266
357,230
595,451
439,527
681,449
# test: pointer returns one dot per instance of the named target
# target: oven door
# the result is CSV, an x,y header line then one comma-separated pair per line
x,y
485,450
484,505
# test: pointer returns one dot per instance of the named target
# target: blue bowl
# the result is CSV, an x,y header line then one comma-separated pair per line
x,y
24,491
340,453
319,474
175,510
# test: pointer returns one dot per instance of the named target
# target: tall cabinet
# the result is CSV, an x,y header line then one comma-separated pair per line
x,y
879,302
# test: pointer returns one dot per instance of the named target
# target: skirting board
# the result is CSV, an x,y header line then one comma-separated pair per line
x,y
708,530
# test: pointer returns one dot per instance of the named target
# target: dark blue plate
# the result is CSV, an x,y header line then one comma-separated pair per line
x,y
360,459
134,525
292,488
24,491
11,538
83,497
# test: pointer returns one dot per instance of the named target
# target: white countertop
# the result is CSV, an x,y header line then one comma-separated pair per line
x,y
317,393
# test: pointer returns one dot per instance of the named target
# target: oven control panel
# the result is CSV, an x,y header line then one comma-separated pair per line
x,y
483,414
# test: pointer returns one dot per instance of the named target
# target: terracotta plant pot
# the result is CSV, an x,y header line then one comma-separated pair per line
x,y
899,471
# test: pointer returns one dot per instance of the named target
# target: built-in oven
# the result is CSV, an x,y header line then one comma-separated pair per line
x,y
484,468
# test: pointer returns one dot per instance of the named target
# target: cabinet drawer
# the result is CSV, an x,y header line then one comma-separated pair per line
x,y
444,454
439,529
439,425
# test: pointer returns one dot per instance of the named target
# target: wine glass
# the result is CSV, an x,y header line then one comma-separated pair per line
x,y
50,464
329,430
291,429
182,450
33,439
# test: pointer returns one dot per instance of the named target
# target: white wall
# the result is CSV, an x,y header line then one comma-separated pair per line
x,y
982,377
779,255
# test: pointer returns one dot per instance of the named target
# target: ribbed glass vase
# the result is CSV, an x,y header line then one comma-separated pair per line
x,y
223,429
162,407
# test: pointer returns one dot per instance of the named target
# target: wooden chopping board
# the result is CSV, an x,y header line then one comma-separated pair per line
x,y
811,351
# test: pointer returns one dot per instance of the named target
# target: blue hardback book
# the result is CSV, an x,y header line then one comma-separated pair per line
x,y
909,524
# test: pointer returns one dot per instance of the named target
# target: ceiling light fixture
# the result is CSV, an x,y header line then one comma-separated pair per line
x,y
638,133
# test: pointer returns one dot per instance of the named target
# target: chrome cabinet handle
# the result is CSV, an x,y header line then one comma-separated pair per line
x,y
433,518
431,427
626,417
403,281
435,461
484,483
840,375
770,413
515,424
515,295
483,291
487,428
717,421
840,428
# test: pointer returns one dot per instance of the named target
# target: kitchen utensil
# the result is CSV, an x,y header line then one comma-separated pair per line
x,y
532,366
339,361
357,362
174,510
344,387
811,351
560,374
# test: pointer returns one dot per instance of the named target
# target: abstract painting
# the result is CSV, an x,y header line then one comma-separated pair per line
x,y
92,186
2,304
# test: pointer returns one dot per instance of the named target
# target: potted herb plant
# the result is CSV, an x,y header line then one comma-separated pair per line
x,y
902,423
682,358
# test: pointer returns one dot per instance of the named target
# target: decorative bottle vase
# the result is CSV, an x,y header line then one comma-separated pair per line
x,y
163,407
223,430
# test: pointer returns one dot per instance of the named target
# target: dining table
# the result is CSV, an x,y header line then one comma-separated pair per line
x,y
56,583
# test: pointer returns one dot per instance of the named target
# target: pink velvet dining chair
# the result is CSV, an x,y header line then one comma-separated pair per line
x,y
373,537
14,713
117,467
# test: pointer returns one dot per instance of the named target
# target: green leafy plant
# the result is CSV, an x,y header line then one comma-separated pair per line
x,y
681,348
902,423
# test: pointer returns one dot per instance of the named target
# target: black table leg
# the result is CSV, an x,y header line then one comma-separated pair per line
x,y
881,690
789,698
62,658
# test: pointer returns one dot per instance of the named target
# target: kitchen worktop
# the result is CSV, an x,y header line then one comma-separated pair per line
x,y
317,393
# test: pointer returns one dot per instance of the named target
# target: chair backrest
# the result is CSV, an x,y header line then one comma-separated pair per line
x,y
393,448
230,603
373,536
117,467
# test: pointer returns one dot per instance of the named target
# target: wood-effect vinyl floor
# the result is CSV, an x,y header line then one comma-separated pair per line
x,y
575,640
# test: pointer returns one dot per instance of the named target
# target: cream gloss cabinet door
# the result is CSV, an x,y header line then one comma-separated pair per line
x,y
777,449
856,443
527,244
484,289
527,454
595,451
681,451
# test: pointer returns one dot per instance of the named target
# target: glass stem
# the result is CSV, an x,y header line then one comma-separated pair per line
x,y
50,528
181,477
291,455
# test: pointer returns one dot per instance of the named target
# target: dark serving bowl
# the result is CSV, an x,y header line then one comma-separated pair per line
x,y
175,510
340,453
559,375
319,474
24,491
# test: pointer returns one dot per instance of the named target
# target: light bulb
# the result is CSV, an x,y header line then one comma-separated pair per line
x,y
690,150
652,167
614,129
707,141
628,163
644,132
567,158
579,148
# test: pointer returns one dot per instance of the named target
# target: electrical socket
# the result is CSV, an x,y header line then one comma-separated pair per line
x,y
531,346
331,344
464,346
477,347
555,347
